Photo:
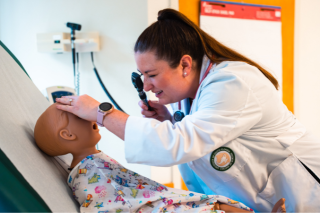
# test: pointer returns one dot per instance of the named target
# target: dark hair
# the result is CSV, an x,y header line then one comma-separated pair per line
x,y
174,35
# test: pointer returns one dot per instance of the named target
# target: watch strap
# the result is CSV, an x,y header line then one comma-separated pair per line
x,y
100,117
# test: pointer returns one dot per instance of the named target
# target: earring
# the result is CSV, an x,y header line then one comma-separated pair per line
x,y
185,74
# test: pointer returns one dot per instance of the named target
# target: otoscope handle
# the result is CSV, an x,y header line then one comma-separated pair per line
x,y
143,97
146,102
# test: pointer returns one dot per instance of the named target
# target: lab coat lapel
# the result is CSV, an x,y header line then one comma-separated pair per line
x,y
205,65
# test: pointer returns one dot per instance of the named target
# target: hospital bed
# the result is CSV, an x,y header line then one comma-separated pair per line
x,y
30,181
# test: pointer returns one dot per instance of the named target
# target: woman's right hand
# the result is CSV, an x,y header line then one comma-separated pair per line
x,y
83,106
160,112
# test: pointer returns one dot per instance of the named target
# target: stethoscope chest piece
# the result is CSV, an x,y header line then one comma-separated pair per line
x,y
178,116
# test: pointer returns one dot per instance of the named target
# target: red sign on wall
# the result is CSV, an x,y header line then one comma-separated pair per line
x,y
239,10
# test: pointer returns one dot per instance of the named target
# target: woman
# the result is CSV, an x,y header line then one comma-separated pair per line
x,y
237,137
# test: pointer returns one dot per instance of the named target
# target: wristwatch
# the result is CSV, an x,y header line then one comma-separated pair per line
x,y
103,109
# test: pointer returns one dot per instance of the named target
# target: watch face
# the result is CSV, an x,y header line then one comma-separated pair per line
x,y
105,106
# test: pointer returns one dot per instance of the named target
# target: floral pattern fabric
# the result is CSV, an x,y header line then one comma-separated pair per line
x,y
100,184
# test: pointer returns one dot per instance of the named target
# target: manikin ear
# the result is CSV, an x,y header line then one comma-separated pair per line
x,y
186,63
65,134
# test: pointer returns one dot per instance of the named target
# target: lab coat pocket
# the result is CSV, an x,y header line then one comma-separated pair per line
x,y
290,180
229,160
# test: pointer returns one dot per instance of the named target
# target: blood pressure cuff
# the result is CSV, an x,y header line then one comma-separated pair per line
x,y
31,181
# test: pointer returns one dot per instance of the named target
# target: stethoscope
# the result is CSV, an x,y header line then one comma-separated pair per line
x,y
178,115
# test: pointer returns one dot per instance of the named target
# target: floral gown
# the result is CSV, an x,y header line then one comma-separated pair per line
x,y
100,184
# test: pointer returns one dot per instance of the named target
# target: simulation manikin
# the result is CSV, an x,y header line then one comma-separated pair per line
x,y
100,184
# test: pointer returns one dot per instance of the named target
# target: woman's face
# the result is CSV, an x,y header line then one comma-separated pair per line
x,y
170,85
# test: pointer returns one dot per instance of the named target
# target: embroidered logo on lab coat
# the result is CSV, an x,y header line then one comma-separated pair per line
x,y
222,158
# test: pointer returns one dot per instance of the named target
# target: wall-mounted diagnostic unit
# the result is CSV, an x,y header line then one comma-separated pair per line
x,y
61,42
75,43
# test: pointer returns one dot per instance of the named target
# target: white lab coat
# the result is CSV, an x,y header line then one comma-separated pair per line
x,y
237,107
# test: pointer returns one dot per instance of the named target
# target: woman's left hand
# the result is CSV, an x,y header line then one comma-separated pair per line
x,y
83,106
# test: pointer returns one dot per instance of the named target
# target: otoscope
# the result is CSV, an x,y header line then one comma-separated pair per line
x,y
138,84
73,27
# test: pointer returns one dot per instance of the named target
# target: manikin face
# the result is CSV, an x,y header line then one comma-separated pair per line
x,y
87,132
168,84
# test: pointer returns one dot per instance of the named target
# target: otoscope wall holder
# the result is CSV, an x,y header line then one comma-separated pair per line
x,y
60,42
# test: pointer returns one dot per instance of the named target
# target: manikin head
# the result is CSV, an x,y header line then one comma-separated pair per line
x,y
58,133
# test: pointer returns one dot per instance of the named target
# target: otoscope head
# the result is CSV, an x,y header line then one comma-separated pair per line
x,y
137,82
74,26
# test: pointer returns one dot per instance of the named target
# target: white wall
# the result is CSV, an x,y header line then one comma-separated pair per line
x,y
307,64
155,5
119,23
